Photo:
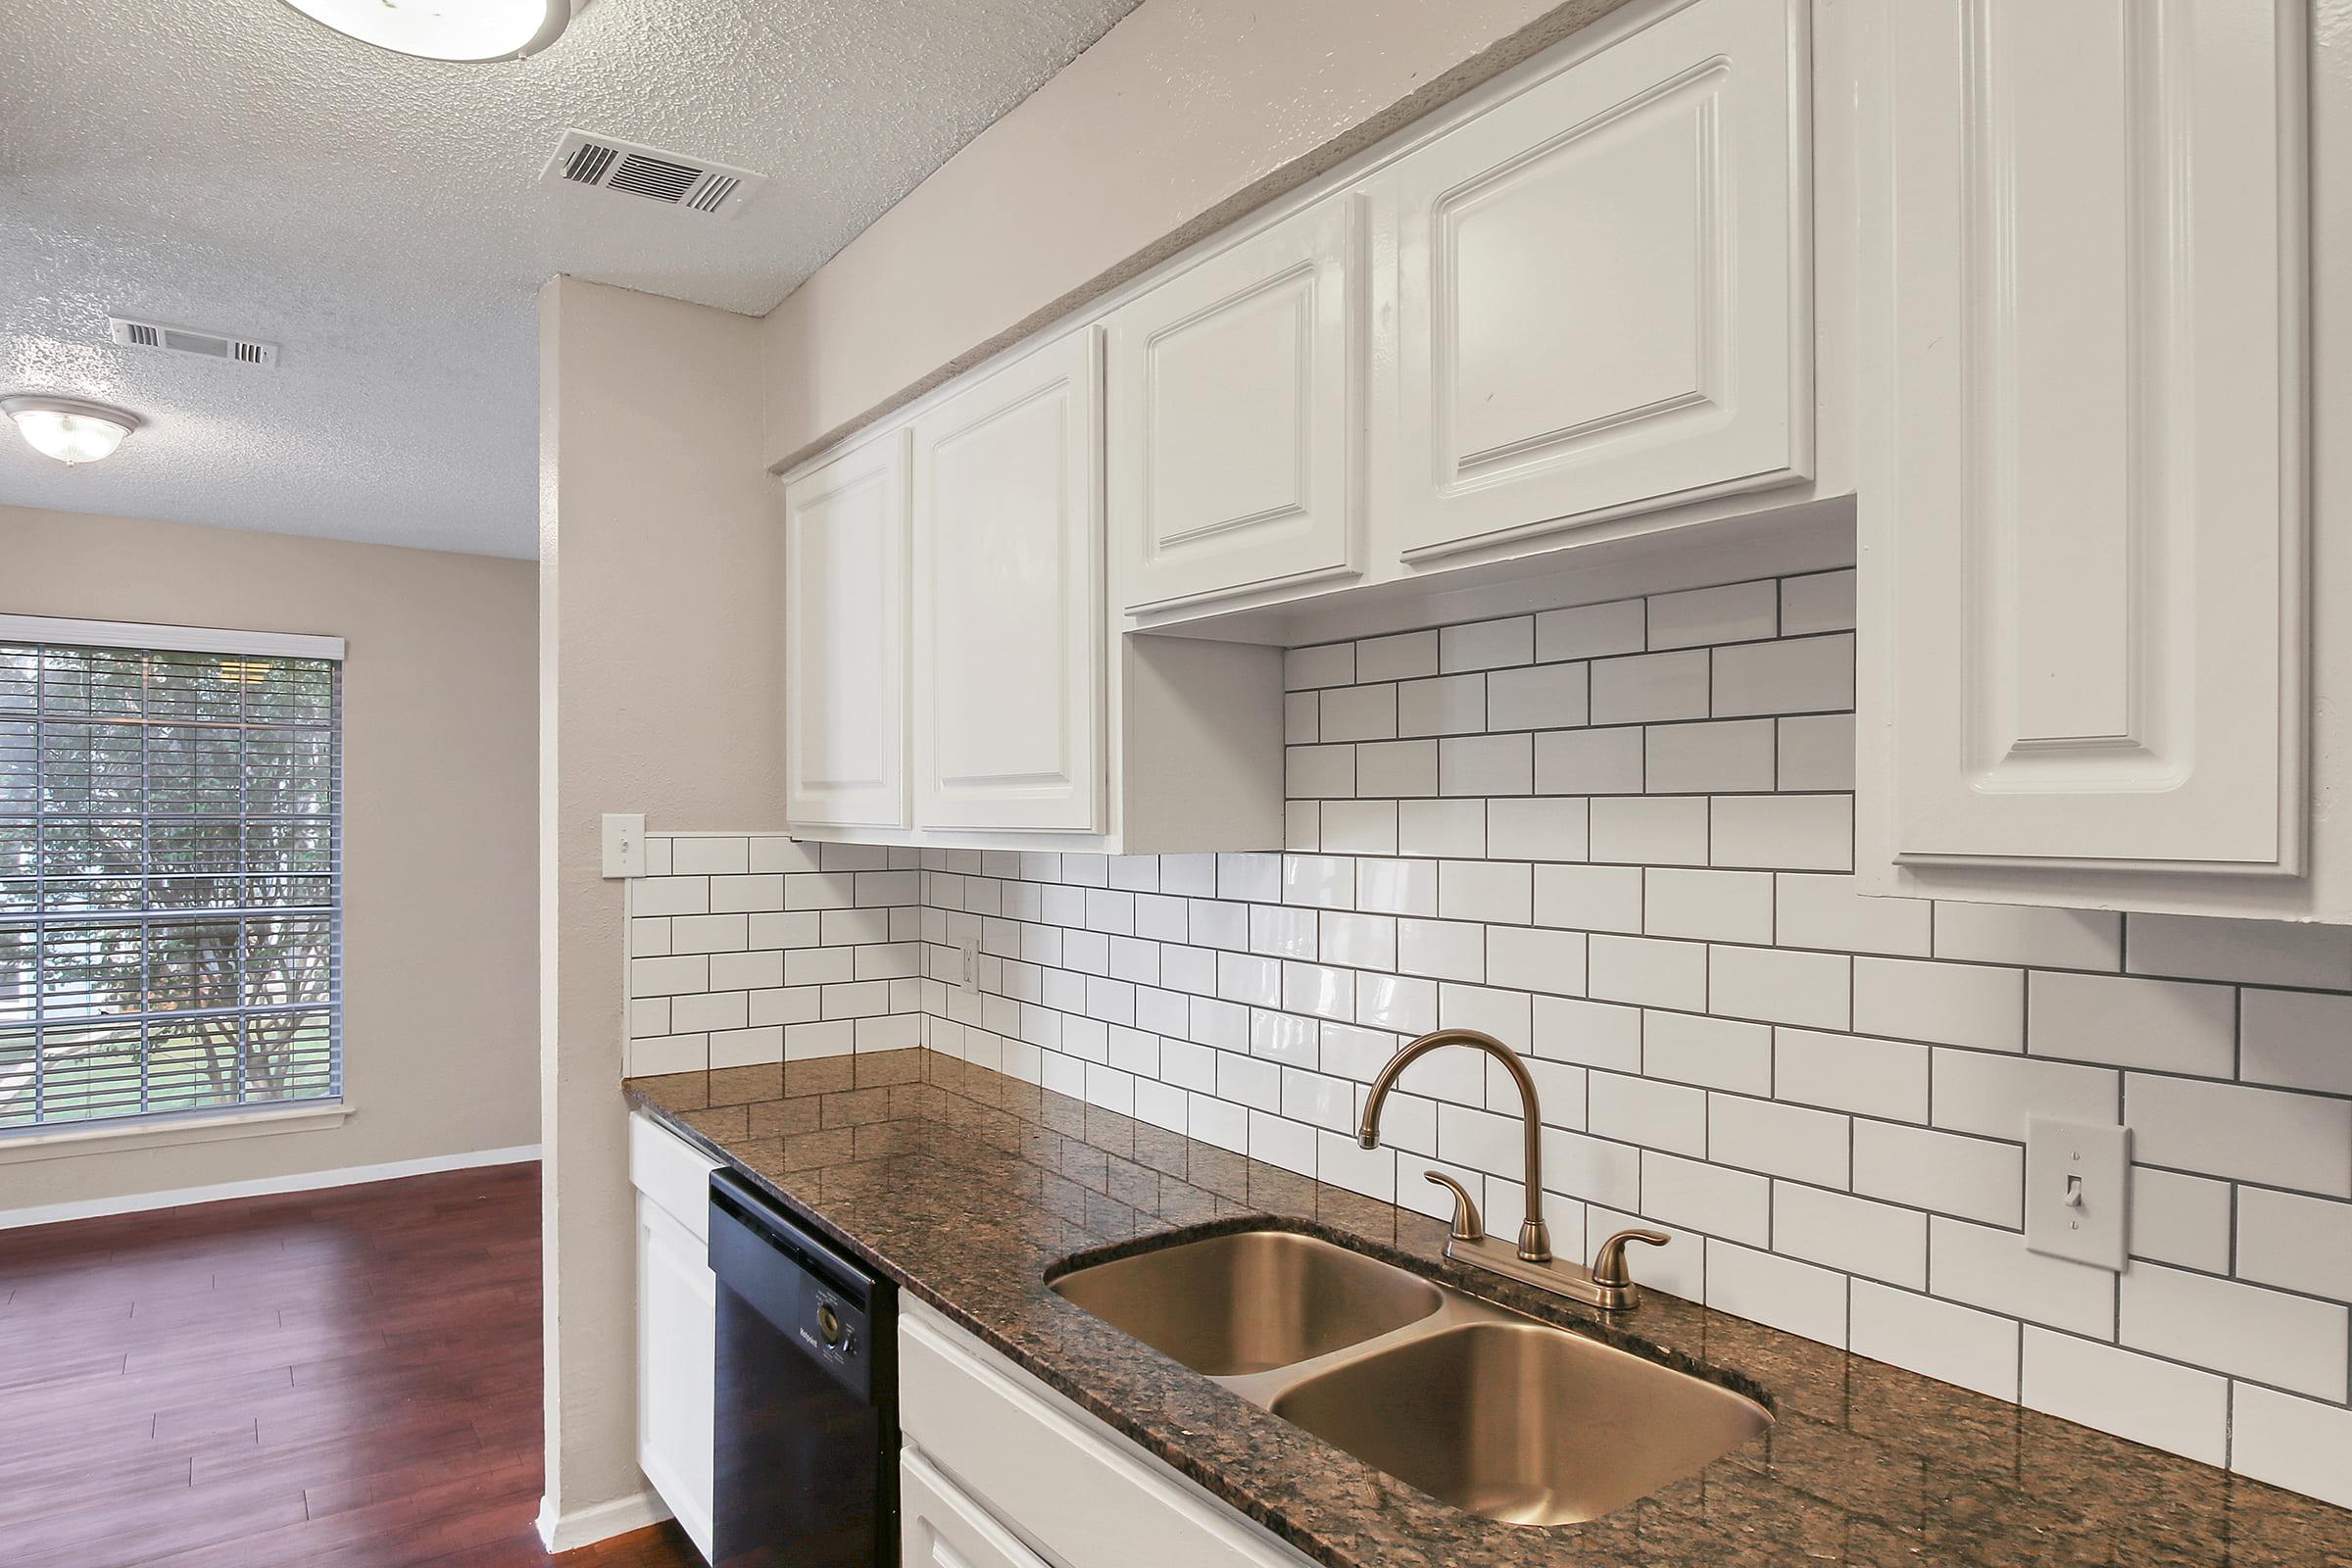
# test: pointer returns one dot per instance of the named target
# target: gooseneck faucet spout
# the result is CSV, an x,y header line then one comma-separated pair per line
x,y
1534,1238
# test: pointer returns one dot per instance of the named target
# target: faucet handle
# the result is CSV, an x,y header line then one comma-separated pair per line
x,y
1608,1264
1468,1225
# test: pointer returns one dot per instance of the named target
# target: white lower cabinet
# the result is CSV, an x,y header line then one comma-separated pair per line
x,y
942,1528
1003,1471
677,1301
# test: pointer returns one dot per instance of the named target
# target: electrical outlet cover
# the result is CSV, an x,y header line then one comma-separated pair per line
x,y
2077,1191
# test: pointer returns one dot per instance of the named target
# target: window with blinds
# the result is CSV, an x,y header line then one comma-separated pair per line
x,y
170,873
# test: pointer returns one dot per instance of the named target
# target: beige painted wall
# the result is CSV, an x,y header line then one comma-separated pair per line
x,y
658,569
1184,116
438,804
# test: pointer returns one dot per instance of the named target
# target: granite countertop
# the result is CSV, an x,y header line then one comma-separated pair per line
x,y
964,1185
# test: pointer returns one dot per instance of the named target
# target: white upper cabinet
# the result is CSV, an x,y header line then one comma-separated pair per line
x,y
1008,615
1603,296
2083,528
1235,418
845,639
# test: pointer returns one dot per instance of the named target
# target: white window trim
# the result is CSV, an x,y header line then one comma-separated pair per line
x,y
177,639
200,1128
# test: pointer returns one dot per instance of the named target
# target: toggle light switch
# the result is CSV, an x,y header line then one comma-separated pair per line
x,y
2077,1197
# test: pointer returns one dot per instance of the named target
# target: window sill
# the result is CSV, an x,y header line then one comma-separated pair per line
x,y
98,1140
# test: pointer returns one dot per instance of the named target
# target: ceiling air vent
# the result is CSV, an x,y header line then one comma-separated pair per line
x,y
132,332
604,163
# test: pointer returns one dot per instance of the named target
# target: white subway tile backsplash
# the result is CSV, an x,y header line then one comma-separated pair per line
x,y
1590,762
2267,953
2292,1443
2256,1135
2164,1025
2290,1341
1536,697
1649,687
1647,1113
1974,1178
1649,830
1719,757
2285,1238
1647,972
1707,906
1951,1003
1824,912
1398,658
1979,1265
1713,1053
1796,675
1883,1078
1816,751
1537,829
2179,1219
1692,1194
2296,1040
1590,631
2020,934
1589,898
1783,832
1974,1349
1485,764
1793,1296
1852,1235
1779,1139
1821,1095
2150,1402
1736,613
1773,985
1487,644
1330,665
1823,601
1977,1092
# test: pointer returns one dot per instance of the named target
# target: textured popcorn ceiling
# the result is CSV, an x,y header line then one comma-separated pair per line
x,y
231,165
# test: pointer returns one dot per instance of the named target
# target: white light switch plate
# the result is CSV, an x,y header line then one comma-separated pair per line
x,y
624,844
2078,1189
968,980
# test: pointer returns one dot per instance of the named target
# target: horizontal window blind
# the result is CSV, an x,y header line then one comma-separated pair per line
x,y
170,881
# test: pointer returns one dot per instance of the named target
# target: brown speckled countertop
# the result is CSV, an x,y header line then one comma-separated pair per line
x,y
965,1186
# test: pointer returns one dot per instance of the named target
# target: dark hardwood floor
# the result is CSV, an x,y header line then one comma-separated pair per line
x,y
348,1377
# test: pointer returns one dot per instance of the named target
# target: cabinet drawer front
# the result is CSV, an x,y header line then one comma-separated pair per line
x,y
1081,1497
1234,418
942,1528
2085,542
1008,598
673,1173
845,635
1603,287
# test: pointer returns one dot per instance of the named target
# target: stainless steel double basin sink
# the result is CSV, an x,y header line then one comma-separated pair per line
x,y
1480,1407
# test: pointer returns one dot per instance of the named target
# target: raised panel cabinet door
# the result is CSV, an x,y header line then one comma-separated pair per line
x,y
2088,517
1234,418
845,639
1008,598
939,1527
1603,287
676,1367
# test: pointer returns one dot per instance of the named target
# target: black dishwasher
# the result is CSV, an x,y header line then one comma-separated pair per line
x,y
806,1407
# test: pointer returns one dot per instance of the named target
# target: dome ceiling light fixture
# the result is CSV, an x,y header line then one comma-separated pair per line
x,y
468,30
69,429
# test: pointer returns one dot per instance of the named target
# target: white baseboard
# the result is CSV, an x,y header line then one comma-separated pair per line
x,y
585,1527
302,1182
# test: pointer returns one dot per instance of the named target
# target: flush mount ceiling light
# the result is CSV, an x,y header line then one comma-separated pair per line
x,y
69,430
448,30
